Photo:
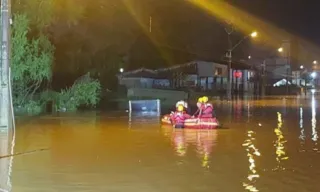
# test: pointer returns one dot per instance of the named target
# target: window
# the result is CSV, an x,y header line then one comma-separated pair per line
x,y
218,71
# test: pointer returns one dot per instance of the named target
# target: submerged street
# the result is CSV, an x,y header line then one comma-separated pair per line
x,y
266,145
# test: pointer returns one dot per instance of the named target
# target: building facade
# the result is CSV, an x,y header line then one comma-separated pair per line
x,y
197,75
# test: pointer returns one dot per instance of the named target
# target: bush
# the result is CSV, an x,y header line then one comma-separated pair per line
x,y
84,92
31,107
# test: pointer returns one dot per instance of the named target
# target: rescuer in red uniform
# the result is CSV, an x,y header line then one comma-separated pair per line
x,y
206,108
179,117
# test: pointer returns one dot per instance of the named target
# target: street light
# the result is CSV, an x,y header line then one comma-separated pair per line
x,y
263,69
315,62
254,34
121,70
301,67
249,57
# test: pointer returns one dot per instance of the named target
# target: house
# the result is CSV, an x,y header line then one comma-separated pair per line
x,y
197,75
140,78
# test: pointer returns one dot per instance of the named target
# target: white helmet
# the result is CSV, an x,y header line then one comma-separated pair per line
x,y
180,103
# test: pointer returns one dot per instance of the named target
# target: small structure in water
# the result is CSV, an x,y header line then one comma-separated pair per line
x,y
151,107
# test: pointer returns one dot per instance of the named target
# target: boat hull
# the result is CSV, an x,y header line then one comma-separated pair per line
x,y
194,123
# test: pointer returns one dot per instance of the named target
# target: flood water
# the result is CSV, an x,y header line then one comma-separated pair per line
x,y
267,145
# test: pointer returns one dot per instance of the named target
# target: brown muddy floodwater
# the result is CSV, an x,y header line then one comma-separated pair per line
x,y
269,145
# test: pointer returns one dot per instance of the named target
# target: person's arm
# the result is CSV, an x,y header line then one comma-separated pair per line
x,y
196,112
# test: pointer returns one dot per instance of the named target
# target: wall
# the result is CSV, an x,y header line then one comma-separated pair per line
x,y
243,83
207,69
224,69
162,82
167,97
136,82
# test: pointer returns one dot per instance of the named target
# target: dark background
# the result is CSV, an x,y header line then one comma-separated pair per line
x,y
110,37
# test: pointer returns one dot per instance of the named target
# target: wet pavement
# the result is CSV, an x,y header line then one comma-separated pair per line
x,y
267,145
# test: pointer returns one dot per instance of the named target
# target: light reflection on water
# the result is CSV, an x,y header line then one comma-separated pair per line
x,y
314,124
98,152
252,152
202,141
280,145
302,135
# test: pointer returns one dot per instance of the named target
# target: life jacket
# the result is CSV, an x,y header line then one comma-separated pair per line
x,y
207,109
199,105
179,117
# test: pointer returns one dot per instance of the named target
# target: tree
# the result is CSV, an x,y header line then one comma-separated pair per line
x,y
31,61
84,91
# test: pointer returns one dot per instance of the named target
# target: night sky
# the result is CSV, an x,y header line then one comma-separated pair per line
x,y
181,32
199,35
300,17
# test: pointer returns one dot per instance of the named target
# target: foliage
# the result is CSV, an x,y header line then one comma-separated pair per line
x,y
31,61
85,91
88,36
29,107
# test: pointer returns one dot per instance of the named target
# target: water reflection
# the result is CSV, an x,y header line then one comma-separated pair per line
x,y
184,139
139,120
252,152
248,111
302,135
279,144
6,161
205,141
238,109
179,142
314,124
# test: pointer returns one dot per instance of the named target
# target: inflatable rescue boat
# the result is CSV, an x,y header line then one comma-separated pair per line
x,y
194,122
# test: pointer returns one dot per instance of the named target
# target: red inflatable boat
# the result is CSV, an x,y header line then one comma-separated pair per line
x,y
194,122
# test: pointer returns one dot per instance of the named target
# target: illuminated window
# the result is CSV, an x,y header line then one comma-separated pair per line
x,y
218,71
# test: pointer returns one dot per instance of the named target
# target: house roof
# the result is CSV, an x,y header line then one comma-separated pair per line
x,y
142,72
234,65
187,68
175,67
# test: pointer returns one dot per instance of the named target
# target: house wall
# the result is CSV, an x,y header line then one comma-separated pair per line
x,y
136,82
211,76
243,82
208,69
161,82
167,97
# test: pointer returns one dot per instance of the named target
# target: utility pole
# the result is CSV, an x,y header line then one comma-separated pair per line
x,y
263,86
229,31
5,105
231,47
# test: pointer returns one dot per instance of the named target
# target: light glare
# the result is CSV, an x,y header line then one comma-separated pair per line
x,y
254,34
